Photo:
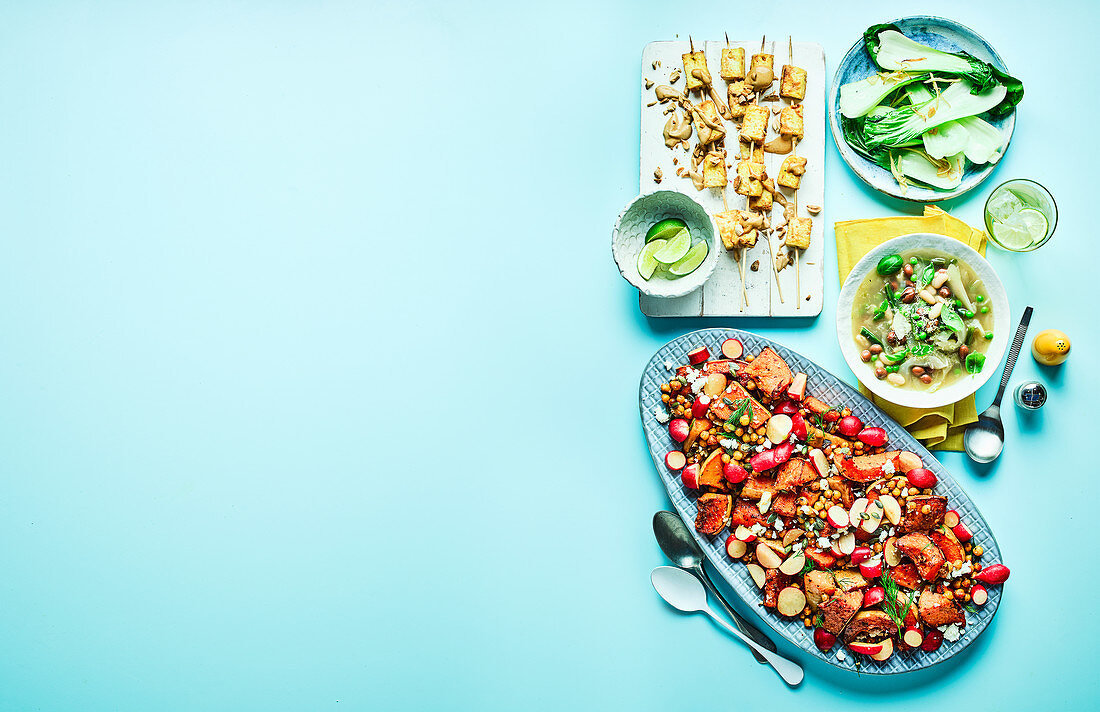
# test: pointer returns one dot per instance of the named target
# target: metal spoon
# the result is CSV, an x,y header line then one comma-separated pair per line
x,y
683,591
984,440
680,547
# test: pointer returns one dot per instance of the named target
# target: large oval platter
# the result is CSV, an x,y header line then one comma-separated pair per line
x,y
832,390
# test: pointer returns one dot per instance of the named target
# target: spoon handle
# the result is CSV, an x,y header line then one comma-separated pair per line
x,y
790,671
743,625
1013,353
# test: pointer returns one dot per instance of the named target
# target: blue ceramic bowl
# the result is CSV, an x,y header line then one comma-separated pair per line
x,y
942,34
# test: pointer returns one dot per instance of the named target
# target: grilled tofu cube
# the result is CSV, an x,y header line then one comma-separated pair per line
x,y
754,127
733,63
798,233
714,170
791,172
790,121
762,60
762,202
727,228
696,61
710,127
739,94
753,152
792,83
749,177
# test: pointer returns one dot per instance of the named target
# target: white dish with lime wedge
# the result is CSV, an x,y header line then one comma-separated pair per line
x,y
664,243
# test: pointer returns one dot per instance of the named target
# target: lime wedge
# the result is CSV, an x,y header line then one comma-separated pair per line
x,y
665,229
646,263
1012,235
691,261
674,248
1034,222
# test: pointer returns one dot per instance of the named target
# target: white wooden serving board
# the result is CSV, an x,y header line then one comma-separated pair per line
x,y
721,295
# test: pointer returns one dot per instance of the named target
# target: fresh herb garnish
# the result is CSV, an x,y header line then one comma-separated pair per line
x,y
974,362
741,410
892,605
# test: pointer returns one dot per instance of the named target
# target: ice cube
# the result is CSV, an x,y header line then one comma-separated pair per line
x,y
1004,204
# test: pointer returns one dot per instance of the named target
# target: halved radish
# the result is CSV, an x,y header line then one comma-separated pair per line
x,y
891,508
715,385
744,533
933,639
861,554
793,565
785,407
798,427
978,594
838,517
858,507
912,637
866,648
835,548
701,405
734,473
735,547
871,569
757,573
779,428
849,426
951,519
791,601
922,478
679,428
872,516
907,461
875,437
675,460
890,552
874,596
847,543
732,349
886,652
690,476
767,556
699,355
962,532
797,389
820,462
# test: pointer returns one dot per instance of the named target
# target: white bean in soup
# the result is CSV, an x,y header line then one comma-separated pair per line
x,y
922,320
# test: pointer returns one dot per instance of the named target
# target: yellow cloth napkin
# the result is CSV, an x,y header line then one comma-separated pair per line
x,y
937,428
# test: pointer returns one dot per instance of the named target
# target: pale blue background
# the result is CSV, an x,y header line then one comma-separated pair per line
x,y
317,386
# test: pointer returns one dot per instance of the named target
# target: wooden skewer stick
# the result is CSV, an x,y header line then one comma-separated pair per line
x,y
691,45
727,39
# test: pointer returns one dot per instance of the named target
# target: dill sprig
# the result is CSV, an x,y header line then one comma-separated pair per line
x,y
892,604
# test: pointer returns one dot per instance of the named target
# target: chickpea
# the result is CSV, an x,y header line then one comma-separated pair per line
x,y
925,509
865,356
948,594
704,434
978,551
875,349
751,385
665,399
750,358
725,458
761,431
743,420
913,491
738,455
674,385
806,622
739,432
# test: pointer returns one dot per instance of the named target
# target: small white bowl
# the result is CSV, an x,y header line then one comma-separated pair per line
x,y
997,299
628,238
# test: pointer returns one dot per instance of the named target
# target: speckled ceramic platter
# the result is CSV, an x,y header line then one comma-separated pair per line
x,y
939,33
830,389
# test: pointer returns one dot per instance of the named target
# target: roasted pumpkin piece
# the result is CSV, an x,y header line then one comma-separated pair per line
x,y
818,585
870,627
710,472
794,473
713,514
769,371
936,609
906,576
923,513
839,609
746,514
948,543
774,582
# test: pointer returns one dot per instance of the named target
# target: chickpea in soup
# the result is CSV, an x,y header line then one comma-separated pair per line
x,y
922,320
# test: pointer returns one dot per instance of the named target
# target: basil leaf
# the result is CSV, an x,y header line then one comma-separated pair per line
x,y
974,363
953,321
926,277
881,310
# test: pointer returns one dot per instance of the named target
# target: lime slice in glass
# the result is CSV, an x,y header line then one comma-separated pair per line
x,y
1004,204
1013,235
665,229
646,263
1034,222
674,248
691,261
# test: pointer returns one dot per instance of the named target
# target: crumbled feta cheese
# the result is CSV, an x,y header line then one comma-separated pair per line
x,y
760,448
823,542
888,468
806,509
824,483
963,570
765,502
757,529
951,633
727,443
661,415
670,365
841,656
766,444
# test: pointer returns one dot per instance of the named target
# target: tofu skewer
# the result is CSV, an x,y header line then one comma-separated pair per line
x,y
761,75
797,235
